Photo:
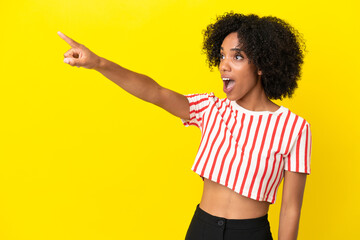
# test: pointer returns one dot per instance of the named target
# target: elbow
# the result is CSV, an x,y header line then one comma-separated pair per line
x,y
290,211
157,96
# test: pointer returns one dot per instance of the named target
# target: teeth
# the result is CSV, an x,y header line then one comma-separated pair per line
x,y
225,79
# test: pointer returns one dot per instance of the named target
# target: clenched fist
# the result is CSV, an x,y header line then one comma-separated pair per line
x,y
79,55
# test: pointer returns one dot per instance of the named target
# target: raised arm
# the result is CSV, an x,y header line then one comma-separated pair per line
x,y
292,197
134,83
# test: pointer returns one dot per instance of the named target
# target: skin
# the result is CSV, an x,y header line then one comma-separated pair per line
x,y
247,92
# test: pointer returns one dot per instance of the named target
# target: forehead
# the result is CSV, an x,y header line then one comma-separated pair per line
x,y
230,41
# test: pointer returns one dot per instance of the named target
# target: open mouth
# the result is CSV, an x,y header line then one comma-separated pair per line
x,y
228,84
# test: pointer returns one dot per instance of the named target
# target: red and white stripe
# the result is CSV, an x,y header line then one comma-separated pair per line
x,y
248,151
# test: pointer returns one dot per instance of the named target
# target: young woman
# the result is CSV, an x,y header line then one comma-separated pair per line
x,y
248,144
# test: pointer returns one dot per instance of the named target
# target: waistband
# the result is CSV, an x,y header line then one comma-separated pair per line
x,y
231,223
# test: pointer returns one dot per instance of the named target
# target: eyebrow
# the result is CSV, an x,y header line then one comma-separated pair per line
x,y
233,49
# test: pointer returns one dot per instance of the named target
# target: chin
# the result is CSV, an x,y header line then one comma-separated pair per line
x,y
232,98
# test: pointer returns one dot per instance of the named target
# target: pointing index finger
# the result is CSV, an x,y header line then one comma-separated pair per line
x,y
71,42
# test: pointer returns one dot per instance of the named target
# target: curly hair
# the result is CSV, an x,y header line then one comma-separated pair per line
x,y
271,44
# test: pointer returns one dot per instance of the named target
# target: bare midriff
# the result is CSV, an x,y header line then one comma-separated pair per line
x,y
221,201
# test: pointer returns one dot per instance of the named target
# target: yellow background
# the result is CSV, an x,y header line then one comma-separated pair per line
x,y
82,159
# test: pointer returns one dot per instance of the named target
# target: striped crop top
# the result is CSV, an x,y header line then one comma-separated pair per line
x,y
248,151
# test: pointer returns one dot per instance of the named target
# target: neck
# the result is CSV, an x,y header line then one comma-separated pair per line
x,y
256,100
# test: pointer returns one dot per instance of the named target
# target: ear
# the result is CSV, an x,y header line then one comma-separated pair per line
x,y
259,72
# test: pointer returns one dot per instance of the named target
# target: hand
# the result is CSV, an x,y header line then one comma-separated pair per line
x,y
79,55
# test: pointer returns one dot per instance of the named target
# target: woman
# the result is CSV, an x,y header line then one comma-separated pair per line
x,y
249,144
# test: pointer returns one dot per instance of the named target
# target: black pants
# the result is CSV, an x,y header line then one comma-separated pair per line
x,y
205,226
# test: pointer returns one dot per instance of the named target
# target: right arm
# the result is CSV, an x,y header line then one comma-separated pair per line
x,y
145,88
139,85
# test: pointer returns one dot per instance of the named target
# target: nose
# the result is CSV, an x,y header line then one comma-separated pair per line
x,y
224,65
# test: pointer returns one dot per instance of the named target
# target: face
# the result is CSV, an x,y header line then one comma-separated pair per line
x,y
241,78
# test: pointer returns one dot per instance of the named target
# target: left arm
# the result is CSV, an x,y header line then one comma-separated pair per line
x,y
292,197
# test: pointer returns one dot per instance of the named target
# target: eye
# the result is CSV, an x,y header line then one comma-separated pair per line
x,y
238,57
221,56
